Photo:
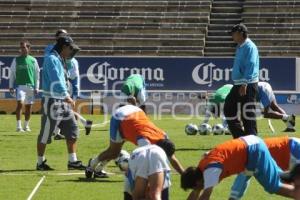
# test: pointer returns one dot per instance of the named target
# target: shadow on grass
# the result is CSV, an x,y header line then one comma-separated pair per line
x,y
193,149
17,170
92,180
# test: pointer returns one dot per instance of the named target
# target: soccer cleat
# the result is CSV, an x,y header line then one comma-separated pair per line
x,y
292,120
20,129
43,167
59,137
76,165
292,129
100,174
88,170
88,126
27,129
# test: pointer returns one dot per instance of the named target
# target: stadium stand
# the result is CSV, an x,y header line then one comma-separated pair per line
x,y
129,27
152,27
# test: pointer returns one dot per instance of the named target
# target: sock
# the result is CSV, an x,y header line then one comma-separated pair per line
x,y
26,123
56,130
19,124
72,157
40,159
100,166
285,117
94,162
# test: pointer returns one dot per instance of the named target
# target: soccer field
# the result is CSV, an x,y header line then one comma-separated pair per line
x,y
18,177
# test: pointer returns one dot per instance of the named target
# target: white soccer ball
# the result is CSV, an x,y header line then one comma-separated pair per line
x,y
191,129
122,160
218,129
204,129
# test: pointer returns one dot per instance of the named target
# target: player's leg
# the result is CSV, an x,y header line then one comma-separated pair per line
x,y
231,112
20,96
268,173
86,123
69,129
29,100
248,109
156,182
289,120
47,126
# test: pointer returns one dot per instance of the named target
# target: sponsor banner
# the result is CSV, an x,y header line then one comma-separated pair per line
x,y
164,73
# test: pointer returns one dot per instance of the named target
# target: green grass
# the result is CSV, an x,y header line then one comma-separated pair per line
x,y
18,159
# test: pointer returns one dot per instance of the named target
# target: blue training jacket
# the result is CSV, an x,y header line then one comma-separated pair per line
x,y
246,64
54,82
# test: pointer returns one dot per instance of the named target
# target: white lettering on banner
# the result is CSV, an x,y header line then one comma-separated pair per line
x,y
206,74
101,73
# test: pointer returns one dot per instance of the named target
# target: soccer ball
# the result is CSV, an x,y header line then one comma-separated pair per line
x,y
204,129
191,129
122,160
218,129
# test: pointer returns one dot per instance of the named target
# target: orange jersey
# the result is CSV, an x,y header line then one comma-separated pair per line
x,y
280,150
232,155
131,123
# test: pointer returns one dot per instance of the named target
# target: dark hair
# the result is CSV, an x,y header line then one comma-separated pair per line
x,y
61,32
241,28
26,42
189,178
167,145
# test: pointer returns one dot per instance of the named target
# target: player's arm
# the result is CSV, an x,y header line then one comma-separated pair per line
x,y
206,193
195,194
12,76
37,77
176,164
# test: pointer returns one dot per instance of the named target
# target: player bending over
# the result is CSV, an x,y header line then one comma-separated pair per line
x,y
248,153
130,123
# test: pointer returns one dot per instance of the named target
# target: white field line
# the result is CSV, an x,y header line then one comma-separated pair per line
x,y
50,174
36,188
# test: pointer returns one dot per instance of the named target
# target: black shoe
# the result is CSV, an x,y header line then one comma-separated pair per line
x,y
76,165
100,174
88,170
88,126
293,120
43,167
290,130
59,137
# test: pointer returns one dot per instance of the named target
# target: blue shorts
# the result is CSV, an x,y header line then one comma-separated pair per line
x,y
265,169
295,147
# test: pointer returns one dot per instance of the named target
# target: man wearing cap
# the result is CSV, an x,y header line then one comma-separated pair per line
x,y
245,75
57,105
134,90
130,123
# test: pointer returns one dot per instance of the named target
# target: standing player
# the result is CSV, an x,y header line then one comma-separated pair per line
x,y
148,176
248,153
25,76
134,90
57,105
244,93
286,153
130,123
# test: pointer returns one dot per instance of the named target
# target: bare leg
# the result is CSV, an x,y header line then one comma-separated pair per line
x,y
71,145
41,149
286,190
19,110
27,111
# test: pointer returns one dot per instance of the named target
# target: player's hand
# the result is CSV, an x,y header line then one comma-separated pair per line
x,y
11,91
243,90
70,101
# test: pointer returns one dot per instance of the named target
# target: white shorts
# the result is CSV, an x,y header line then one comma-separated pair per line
x,y
25,94
145,161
